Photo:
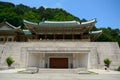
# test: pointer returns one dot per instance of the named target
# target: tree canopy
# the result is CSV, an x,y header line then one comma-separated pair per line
x,y
16,13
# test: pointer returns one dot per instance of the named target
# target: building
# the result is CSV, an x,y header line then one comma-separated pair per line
x,y
56,44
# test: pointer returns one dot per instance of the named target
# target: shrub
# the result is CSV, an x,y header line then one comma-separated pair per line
x,y
9,61
107,62
118,69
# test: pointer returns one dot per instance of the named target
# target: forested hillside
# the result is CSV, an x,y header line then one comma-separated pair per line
x,y
15,14
109,34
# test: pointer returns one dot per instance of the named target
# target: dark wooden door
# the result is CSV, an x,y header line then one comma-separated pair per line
x,y
58,62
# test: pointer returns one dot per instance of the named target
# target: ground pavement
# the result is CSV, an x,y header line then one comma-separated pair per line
x,y
12,75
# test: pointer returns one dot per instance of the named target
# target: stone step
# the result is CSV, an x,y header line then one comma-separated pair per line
x,y
73,71
57,71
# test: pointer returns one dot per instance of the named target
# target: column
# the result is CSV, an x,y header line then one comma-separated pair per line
x,y
81,36
5,38
15,38
74,61
36,36
43,60
45,37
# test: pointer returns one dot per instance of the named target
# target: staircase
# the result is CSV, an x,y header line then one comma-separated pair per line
x,y
71,71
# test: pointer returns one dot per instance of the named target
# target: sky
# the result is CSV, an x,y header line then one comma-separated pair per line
x,y
106,12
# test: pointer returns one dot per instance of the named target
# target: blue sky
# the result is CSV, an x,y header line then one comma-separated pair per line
x,y
107,12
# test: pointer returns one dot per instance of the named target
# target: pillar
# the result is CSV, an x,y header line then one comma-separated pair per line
x,y
81,36
5,39
45,37
15,38
36,36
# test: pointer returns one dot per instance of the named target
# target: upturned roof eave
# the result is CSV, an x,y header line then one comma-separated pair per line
x,y
96,32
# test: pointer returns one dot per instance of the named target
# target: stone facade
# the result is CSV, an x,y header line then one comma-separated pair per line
x,y
79,54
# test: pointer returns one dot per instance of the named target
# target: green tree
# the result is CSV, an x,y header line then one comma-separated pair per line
x,y
31,16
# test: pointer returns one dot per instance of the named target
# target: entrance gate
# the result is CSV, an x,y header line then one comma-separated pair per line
x,y
58,63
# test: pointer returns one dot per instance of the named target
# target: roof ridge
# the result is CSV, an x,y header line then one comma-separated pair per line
x,y
29,22
61,21
90,21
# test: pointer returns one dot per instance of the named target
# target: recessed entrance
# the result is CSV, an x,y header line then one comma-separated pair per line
x,y
58,63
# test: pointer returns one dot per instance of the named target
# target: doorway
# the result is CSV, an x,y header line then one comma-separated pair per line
x,y
58,63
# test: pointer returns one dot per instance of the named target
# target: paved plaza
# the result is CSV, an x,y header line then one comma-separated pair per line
x,y
52,75
58,76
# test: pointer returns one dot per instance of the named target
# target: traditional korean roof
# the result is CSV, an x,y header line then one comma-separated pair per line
x,y
54,26
54,23
27,32
59,23
8,29
95,34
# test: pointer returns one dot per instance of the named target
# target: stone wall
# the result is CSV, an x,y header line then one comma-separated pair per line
x,y
98,51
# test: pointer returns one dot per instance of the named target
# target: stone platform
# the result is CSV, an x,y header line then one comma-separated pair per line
x,y
93,53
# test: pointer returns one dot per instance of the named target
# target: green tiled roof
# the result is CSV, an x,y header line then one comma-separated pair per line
x,y
59,23
27,32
